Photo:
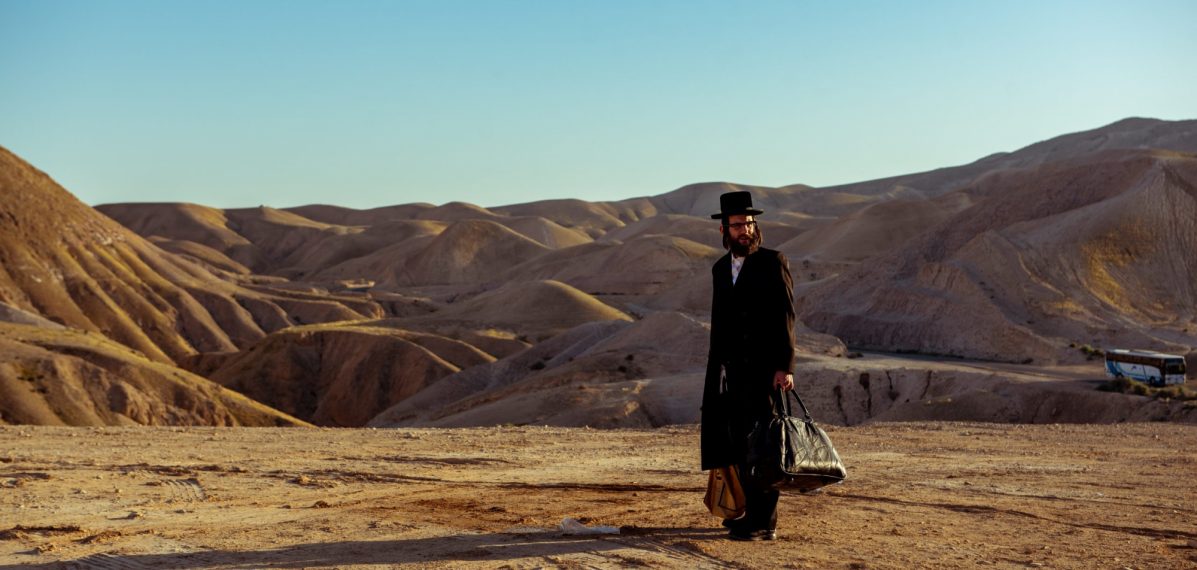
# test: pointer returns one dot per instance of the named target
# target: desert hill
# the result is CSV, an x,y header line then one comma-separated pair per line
x,y
644,373
536,309
869,231
343,374
593,219
1082,240
341,216
640,266
65,263
57,376
1127,134
1102,258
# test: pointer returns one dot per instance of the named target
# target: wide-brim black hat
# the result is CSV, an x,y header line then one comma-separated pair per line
x,y
736,204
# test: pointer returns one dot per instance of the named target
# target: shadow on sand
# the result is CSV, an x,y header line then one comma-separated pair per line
x,y
532,546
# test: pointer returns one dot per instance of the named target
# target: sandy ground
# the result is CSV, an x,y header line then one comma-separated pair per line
x,y
933,495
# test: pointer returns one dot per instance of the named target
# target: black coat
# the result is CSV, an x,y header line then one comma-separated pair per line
x,y
752,337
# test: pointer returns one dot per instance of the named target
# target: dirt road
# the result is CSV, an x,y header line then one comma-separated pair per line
x,y
930,495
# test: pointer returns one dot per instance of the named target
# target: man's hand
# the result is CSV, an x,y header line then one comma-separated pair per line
x,y
783,380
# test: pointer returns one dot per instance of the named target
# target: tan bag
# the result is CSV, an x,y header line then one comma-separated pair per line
x,y
725,496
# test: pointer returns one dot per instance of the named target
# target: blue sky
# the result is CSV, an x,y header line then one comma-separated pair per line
x,y
370,103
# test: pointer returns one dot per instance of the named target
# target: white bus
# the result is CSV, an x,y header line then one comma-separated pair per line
x,y
1152,368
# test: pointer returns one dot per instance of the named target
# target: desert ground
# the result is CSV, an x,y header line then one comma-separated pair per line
x,y
164,368
919,495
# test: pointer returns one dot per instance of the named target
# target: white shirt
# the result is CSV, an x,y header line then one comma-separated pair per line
x,y
736,264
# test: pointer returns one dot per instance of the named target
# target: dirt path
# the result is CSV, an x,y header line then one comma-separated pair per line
x,y
934,495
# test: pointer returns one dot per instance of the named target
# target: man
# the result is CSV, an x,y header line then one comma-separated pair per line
x,y
751,355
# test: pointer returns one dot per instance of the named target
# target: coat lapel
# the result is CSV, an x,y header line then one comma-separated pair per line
x,y
723,272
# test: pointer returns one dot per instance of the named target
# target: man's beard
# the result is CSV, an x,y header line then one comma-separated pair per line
x,y
740,249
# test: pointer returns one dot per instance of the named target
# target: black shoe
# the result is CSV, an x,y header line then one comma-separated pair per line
x,y
733,523
745,534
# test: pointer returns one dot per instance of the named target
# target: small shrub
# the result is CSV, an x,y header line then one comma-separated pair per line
x,y
1127,386
1089,351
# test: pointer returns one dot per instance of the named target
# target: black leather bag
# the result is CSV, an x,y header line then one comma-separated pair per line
x,y
787,452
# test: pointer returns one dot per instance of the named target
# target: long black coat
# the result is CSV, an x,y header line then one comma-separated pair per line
x,y
752,337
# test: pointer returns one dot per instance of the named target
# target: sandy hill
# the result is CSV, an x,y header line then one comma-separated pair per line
x,y
537,309
702,230
419,252
337,215
468,251
835,201
702,199
270,241
65,262
455,212
869,231
68,263
641,266
58,376
1095,250
286,244
343,374
593,219
546,232
604,374
599,374
178,221
200,253
1127,134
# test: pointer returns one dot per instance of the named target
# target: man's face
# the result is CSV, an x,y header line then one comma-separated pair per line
x,y
740,229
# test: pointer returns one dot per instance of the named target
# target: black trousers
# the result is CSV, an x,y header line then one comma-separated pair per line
x,y
761,509
750,392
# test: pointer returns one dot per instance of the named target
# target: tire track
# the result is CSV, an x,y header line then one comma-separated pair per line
x,y
186,490
105,561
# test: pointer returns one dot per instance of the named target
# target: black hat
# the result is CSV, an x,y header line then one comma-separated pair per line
x,y
736,204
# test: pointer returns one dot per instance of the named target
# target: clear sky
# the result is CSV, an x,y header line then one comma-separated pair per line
x,y
369,103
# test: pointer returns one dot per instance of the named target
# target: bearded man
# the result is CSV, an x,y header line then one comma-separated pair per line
x,y
751,355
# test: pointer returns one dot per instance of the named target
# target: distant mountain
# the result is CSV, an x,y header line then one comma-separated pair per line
x,y
1100,250
1083,239
63,262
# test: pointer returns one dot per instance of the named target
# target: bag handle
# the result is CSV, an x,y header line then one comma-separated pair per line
x,y
785,403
